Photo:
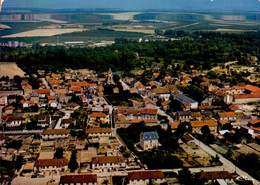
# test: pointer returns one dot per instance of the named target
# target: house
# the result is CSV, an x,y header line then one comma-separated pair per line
x,y
124,117
196,116
98,116
145,177
139,86
186,100
197,125
92,132
49,165
87,179
27,89
174,125
108,162
53,104
50,134
149,103
65,123
184,116
247,98
43,92
162,92
149,140
72,106
213,176
9,110
24,104
166,105
230,116
42,120
255,122
14,121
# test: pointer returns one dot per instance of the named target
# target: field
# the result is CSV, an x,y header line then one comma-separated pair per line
x,y
136,31
10,69
131,25
95,35
43,33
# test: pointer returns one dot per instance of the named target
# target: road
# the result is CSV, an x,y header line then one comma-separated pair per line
x,y
47,85
227,165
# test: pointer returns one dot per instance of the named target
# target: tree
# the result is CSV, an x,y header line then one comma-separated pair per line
x,y
59,153
185,176
19,162
205,131
73,164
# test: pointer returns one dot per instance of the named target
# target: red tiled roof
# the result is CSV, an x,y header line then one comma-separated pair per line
x,y
97,115
98,130
245,96
9,108
145,175
252,88
78,178
55,75
166,102
162,90
214,175
43,91
51,98
202,123
50,162
136,111
175,124
55,131
226,114
72,105
108,159
75,84
255,121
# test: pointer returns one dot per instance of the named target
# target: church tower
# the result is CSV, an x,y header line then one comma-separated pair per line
x,y
110,77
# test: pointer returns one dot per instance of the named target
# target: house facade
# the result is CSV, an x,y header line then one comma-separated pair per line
x,y
45,165
149,140
51,134
94,132
108,163
145,177
124,117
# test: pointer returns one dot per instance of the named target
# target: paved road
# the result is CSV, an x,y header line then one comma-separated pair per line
x,y
227,165
47,86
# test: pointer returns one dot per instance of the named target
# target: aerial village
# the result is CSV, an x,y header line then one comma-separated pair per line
x,y
83,127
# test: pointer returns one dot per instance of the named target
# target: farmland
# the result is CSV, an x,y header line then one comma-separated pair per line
x,y
43,33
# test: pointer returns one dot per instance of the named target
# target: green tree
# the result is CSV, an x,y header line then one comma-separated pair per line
x,y
73,164
59,153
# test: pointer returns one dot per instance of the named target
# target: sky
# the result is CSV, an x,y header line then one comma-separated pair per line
x,y
138,4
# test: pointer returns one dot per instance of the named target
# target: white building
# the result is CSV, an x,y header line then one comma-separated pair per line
x,y
50,134
108,163
145,177
186,100
50,165
149,140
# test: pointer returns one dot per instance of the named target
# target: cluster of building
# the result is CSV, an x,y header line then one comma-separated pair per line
x,y
76,99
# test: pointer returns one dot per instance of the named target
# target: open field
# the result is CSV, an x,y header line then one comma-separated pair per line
x,y
43,32
136,31
10,69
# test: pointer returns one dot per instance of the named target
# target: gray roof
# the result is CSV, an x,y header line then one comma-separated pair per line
x,y
150,135
184,113
184,99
